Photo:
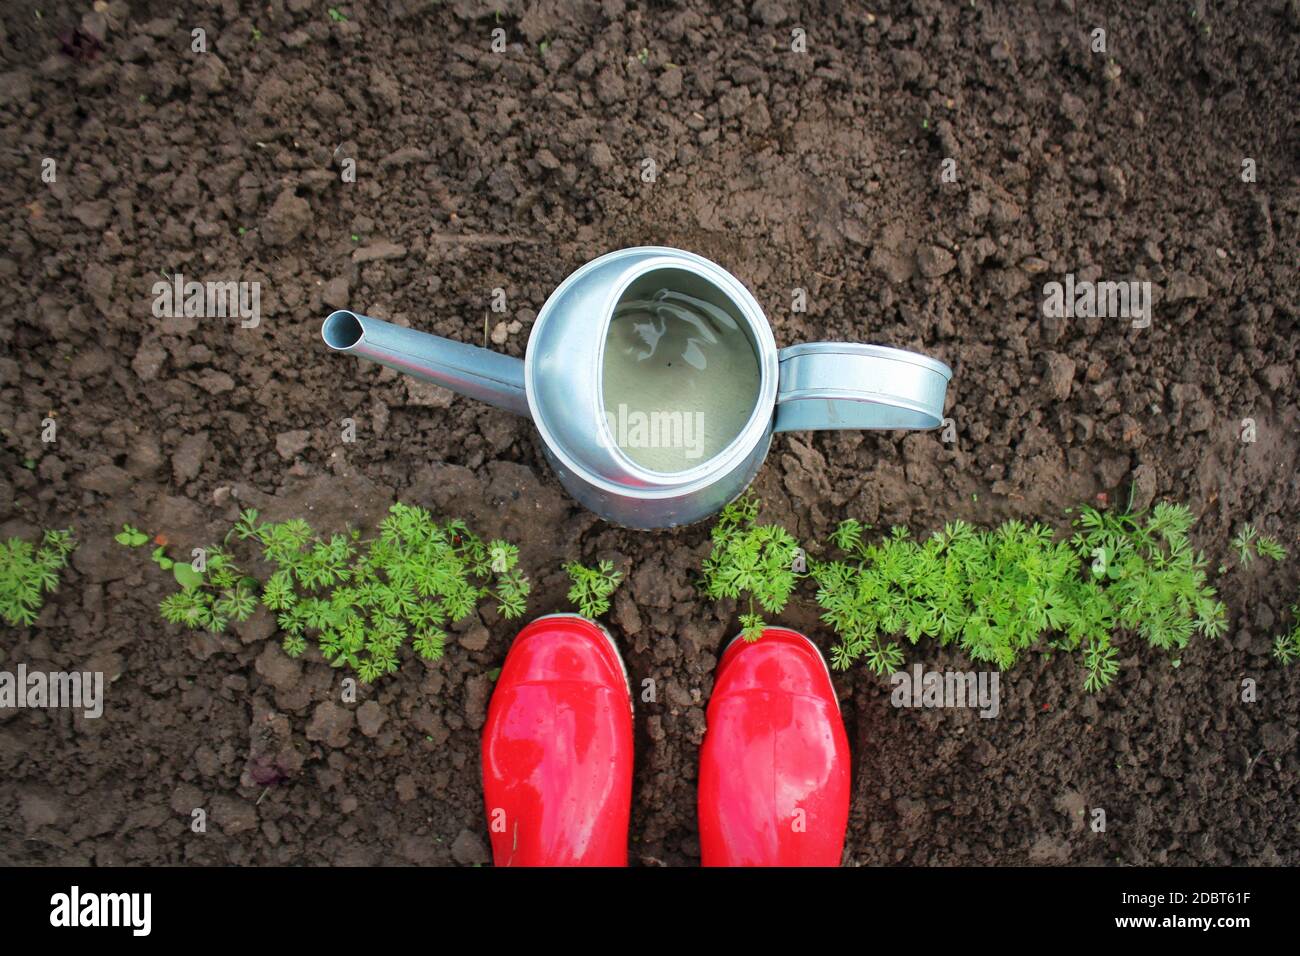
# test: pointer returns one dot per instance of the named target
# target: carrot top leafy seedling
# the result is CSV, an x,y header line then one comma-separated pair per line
x,y
1286,647
998,593
1248,543
994,592
1153,579
209,599
363,600
359,600
592,586
751,560
27,573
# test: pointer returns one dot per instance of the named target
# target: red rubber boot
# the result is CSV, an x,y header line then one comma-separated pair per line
x,y
557,748
774,766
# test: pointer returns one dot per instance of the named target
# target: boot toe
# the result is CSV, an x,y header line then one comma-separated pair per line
x,y
774,765
557,749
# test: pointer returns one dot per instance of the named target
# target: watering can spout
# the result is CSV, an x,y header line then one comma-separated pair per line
x,y
477,373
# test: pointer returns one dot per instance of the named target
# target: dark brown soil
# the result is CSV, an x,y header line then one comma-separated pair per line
x,y
479,170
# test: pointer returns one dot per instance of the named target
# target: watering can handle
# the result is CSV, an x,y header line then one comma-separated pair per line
x,y
827,385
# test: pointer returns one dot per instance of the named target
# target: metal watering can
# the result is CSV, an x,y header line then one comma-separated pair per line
x,y
653,378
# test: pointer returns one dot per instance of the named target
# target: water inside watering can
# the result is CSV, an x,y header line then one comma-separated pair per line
x,y
680,378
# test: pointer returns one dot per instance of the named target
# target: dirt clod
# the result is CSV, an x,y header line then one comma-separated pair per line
x,y
371,718
469,849
288,218
330,724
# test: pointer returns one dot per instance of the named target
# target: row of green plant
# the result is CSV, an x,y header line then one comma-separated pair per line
x,y
995,592
360,600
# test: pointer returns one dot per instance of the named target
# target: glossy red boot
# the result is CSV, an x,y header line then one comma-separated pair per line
x,y
557,748
774,766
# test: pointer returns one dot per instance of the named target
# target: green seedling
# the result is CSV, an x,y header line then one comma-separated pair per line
x,y
336,16
1249,543
1271,548
28,573
997,593
1286,647
184,573
1243,544
131,536
187,576
209,599
1000,593
758,562
363,600
592,586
